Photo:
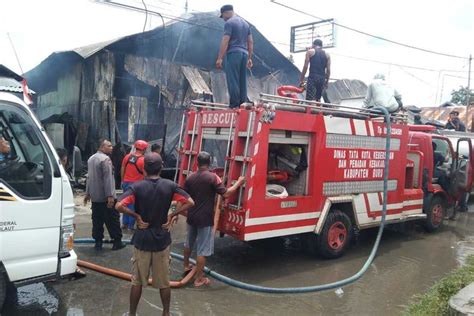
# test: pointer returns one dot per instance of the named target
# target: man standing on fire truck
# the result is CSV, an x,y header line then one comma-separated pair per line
x,y
132,171
203,186
237,48
319,63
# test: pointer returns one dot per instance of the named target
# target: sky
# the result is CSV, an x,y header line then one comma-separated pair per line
x,y
38,28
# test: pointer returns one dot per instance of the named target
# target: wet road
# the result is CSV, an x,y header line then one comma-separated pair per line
x,y
409,262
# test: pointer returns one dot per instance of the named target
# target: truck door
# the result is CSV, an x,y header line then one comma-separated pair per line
x,y
463,165
30,197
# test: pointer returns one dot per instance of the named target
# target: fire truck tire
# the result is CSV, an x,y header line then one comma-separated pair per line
x,y
335,236
435,214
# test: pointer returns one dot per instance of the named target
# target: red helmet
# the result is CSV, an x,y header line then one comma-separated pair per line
x,y
141,145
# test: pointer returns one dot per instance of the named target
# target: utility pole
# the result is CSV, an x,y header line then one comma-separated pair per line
x,y
468,92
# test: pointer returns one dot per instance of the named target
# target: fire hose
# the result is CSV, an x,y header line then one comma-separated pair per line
x,y
285,91
305,289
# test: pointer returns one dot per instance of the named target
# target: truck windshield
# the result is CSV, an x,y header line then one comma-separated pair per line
x,y
25,165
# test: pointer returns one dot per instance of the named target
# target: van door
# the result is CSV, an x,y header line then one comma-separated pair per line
x,y
30,197
463,165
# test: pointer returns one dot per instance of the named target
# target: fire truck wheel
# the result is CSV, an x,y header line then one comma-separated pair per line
x,y
336,235
435,214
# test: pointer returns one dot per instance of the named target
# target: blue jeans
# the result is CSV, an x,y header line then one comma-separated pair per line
x,y
236,74
127,220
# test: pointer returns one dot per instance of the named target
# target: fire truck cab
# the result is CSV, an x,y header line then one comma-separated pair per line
x,y
316,170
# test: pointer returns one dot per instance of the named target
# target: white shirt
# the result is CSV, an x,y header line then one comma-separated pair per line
x,y
379,93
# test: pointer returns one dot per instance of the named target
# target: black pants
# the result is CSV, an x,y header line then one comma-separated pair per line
x,y
101,215
314,88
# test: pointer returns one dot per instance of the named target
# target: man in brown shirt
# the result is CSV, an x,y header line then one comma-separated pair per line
x,y
203,186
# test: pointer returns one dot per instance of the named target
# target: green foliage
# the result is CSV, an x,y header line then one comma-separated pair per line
x,y
459,96
435,301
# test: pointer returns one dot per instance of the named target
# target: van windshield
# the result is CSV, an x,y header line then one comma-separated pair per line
x,y
25,165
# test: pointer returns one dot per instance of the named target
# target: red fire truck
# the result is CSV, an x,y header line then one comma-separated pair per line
x,y
316,170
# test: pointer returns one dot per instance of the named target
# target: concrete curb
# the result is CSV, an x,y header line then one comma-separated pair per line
x,y
463,302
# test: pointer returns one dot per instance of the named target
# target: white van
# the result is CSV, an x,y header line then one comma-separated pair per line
x,y
36,202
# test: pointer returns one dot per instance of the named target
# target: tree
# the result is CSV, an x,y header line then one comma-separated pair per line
x,y
459,96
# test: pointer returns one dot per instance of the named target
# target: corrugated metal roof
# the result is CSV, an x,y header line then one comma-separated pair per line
x,y
12,85
442,113
89,50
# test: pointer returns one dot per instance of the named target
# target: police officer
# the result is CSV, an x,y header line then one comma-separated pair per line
x,y
100,189
132,171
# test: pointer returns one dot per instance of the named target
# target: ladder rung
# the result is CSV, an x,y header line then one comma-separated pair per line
x,y
243,134
186,172
234,207
242,159
190,152
190,132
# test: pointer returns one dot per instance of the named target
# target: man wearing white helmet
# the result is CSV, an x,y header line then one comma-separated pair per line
x,y
380,93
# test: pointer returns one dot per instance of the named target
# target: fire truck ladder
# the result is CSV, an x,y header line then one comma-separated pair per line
x,y
237,156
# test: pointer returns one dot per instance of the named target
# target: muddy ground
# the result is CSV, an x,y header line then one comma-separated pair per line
x,y
409,262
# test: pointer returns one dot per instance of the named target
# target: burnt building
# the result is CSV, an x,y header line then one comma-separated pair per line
x,y
138,86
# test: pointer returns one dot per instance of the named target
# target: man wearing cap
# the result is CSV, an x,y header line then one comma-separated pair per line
x,y
152,198
237,48
132,171
100,189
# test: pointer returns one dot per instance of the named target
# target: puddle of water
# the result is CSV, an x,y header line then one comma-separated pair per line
x,y
35,298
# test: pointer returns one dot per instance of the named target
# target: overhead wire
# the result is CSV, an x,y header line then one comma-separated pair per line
x,y
370,35
184,20
14,51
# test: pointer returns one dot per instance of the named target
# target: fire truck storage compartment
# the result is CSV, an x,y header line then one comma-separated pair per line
x,y
288,153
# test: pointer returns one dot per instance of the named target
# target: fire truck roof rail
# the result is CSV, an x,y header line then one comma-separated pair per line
x,y
209,105
290,104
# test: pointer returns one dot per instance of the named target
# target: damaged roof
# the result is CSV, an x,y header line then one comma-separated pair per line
x,y
193,41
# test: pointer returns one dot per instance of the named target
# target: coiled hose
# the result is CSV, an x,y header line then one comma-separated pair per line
x,y
316,288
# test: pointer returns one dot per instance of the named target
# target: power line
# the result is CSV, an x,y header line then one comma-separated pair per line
x,y
175,18
368,34
187,21
14,51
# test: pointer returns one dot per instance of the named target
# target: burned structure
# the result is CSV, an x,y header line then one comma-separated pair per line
x,y
137,86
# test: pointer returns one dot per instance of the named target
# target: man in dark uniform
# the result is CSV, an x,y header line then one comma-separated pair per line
x,y
319,71
100,189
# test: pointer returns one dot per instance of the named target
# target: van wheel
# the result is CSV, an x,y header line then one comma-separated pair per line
x,y
435,214
3,289
335,236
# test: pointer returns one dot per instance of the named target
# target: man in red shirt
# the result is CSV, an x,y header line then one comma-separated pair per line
x,y
203,186
132,171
